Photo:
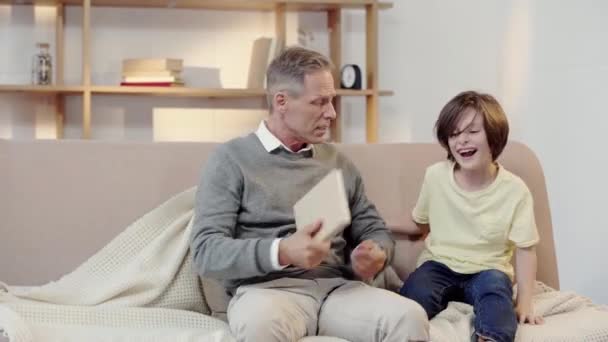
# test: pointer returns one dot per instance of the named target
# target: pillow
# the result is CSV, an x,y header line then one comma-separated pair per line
x,y
388,280
217,298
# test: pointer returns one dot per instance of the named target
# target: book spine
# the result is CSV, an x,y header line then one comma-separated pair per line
x,y
150,79
149,84
159,73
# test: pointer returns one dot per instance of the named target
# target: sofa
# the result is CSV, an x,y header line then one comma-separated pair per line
x,y
108,185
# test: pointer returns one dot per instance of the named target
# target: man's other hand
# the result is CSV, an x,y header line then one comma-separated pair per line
x,y
367,259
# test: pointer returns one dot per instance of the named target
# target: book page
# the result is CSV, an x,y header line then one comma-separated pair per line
x,y
326,201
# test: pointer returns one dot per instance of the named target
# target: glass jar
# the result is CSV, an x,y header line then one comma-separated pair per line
x,y
42,65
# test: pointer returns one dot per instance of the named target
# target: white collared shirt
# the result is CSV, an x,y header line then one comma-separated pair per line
x,y
271,143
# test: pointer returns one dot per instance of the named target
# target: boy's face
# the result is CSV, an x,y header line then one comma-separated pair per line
x,y
469,143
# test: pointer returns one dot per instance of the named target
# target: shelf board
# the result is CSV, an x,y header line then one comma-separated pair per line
x,y
208,92
363,92
33,2
261,5
52,89
162,91
178,91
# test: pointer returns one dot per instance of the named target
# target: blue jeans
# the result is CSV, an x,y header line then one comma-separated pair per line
x,y
490,292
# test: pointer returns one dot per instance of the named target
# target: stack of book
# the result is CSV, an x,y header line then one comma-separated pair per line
x,y
152,72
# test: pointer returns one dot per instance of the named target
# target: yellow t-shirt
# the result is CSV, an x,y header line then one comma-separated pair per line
x,y
474,231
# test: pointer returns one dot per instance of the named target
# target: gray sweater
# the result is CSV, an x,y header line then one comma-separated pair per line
x,y
245,200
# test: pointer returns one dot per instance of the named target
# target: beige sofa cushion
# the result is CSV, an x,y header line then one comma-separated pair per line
x,y
217,298
393,175
110,184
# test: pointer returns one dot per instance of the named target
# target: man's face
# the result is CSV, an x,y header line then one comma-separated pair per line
x,y
308,116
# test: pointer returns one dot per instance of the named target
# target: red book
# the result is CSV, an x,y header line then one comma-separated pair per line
x,y
150,84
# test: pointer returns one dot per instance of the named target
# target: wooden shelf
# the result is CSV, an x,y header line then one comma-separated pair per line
x,y
209,92
334,22
52,89
161,91
364,92
30,2
178,91
261,5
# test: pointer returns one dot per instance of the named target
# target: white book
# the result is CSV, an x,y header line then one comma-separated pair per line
x,y
264,51
152,79
326,201
157,73
257,65
152,64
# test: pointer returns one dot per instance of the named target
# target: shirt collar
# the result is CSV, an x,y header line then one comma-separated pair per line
x,y
271,142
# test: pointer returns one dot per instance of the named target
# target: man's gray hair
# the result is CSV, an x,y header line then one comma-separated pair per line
x,y
286,72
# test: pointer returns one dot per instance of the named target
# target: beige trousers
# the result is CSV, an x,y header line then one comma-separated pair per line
x,y
288,309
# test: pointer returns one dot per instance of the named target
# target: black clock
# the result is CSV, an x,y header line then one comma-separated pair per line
x,y
350,77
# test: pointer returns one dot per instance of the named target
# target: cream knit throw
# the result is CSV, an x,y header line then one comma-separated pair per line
x,y
568,318
138,287
141,287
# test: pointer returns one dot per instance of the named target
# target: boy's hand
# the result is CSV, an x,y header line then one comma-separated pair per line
x,y
367,259
525,314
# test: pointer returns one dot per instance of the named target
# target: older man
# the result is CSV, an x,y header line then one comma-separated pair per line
x,y
286,284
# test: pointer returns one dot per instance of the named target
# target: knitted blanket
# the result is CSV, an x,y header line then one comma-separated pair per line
x,y
142,287
568,318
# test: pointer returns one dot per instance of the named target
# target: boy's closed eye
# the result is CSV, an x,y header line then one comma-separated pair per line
x,y
469,131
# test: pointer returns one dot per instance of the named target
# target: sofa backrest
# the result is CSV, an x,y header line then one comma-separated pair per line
x,y
61,201
393,175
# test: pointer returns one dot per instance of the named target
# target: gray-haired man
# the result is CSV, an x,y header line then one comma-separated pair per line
x,y
286,285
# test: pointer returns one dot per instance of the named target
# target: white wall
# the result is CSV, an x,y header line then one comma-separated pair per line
x,y
546,61
18,41
565,116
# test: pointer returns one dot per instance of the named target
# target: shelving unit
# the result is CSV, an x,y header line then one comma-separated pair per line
x,y
56,89
280,7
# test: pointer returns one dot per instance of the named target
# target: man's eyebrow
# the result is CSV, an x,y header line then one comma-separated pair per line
x,y
323,97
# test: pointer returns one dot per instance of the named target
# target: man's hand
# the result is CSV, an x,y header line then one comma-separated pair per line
x,y
367,259
525,314
302,250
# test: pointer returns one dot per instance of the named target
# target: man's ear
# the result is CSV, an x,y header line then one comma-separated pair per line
x,y
280,101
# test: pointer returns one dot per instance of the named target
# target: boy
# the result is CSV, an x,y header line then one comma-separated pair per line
x,y
476,214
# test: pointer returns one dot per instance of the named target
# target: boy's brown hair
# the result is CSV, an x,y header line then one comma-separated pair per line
x,y
494,120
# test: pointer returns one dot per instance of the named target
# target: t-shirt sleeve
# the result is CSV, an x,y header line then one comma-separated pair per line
x,y
420,213
523,228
